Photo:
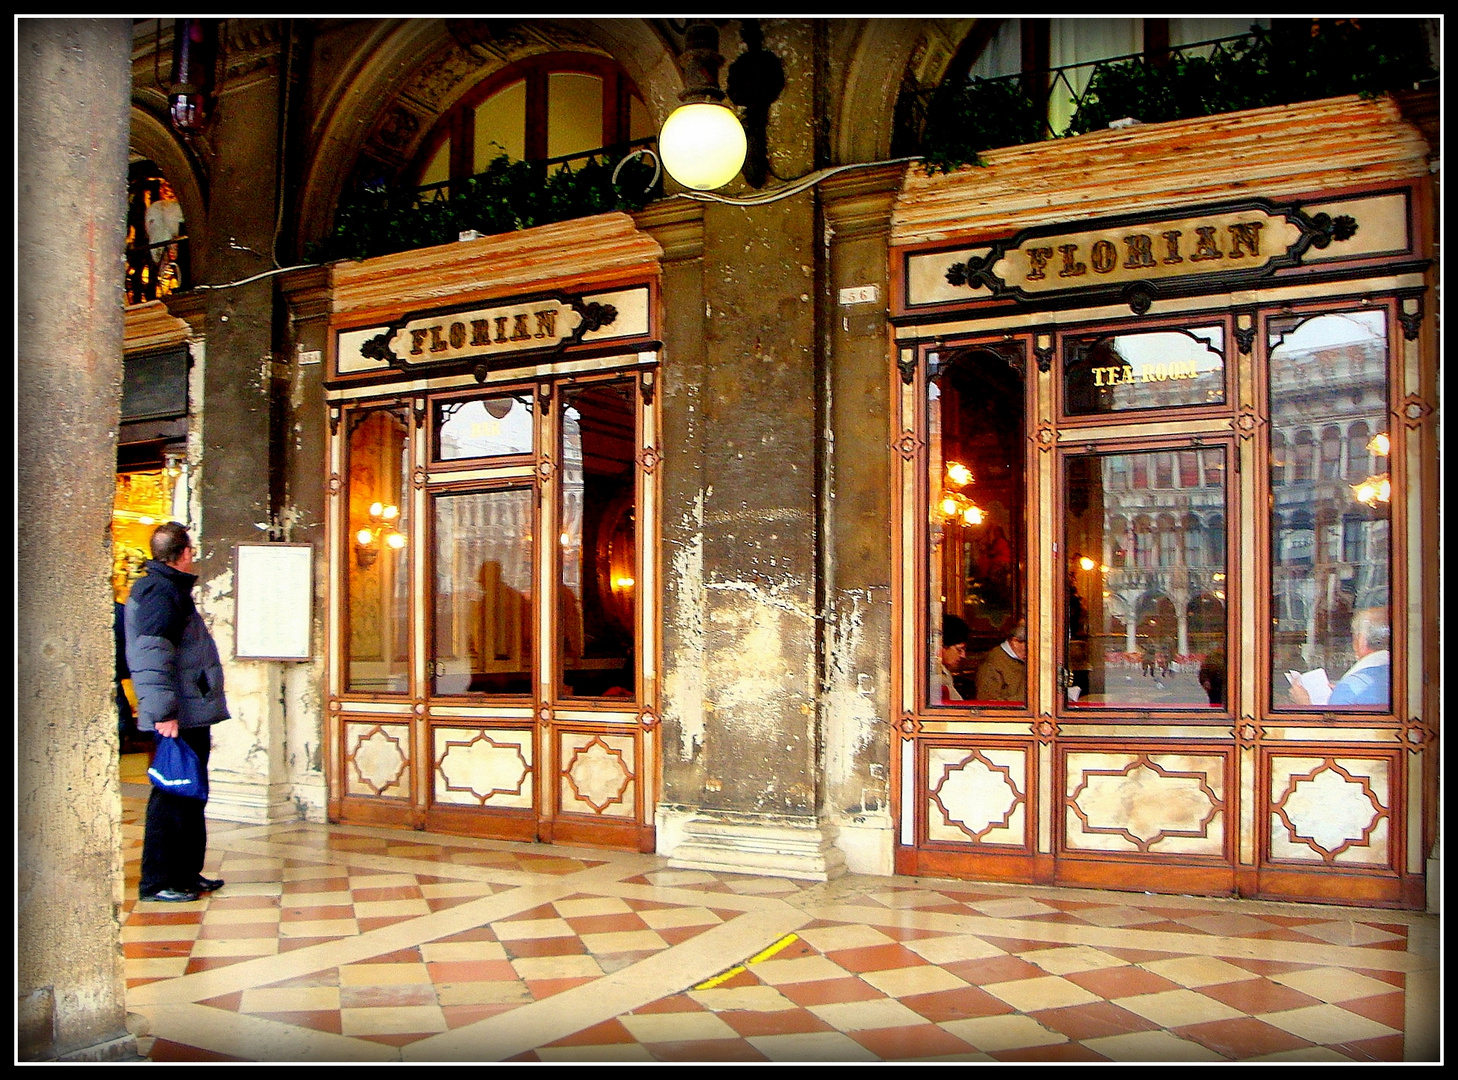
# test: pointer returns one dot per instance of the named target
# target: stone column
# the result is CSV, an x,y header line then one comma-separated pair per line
x,y
740,764
73,124
855,701
235,382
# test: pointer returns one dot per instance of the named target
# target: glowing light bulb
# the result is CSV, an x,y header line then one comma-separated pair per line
x,y
972,515
390,513
702,145
396,540
958,473
1380,444
949,506
364,537
376,509
1087,563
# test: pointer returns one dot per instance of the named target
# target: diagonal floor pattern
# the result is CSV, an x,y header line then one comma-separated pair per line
x,y
333,943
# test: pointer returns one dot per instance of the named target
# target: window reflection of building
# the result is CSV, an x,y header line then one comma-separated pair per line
x,y
1146,566
1330,551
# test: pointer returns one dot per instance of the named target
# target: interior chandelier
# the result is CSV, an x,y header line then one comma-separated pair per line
x,y
954,505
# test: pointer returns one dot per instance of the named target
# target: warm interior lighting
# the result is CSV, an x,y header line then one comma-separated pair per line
x,y
381,530
702,145
1373,490
623,583
955,505
1086,563
1380,444
958,474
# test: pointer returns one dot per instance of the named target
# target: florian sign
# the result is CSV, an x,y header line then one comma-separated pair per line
x,y
1149,256
546,324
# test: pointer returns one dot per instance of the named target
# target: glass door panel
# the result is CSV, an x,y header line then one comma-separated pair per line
x,y
377,656
1146,580
597,590
976,629
1331,539
482,592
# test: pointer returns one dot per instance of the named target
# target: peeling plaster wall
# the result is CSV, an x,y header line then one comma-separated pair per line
x,y
856,714
741,628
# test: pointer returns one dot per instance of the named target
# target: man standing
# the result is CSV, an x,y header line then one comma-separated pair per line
x,y
178,678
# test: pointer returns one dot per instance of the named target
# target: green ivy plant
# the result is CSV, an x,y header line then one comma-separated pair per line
x,y
509,195
1264,68
1299,60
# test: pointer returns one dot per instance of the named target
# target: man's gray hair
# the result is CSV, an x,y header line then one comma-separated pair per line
x,y
1371,623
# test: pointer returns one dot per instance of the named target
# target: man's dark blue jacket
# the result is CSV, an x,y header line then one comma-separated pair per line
x,y
174,661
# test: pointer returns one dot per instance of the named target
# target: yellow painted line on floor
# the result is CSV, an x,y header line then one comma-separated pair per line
x,y
763,954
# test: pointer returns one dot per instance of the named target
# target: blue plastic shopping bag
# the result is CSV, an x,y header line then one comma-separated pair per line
x,y
176,770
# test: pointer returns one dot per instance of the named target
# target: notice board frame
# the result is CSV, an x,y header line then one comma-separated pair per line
x,y
273,586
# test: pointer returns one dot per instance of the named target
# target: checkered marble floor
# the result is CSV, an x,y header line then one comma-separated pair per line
x,y
358,944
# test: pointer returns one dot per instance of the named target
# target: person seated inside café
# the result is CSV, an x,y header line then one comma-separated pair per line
x,y
1003,675
953,652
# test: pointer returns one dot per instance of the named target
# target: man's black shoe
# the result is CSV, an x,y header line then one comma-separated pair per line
x,y
209,884
171,896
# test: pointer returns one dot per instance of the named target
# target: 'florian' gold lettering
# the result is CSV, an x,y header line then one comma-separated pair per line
x,y
1245,234
1205,245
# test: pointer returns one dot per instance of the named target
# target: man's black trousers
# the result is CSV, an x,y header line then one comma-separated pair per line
x,y
177,832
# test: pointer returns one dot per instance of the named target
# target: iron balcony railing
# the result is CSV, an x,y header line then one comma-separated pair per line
x,y
508,195
951,123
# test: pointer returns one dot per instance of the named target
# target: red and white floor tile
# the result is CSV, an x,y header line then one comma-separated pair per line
x,y
356,944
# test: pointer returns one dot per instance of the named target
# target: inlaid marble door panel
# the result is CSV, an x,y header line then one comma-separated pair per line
x,y
977,795
599,774
1331,810
377,759
1145,803
491,768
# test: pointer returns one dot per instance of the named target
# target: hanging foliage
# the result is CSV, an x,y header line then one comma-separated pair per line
x,y
1267,67
1298,60
377,220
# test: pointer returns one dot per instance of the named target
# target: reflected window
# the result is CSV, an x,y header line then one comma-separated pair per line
x,y
479,428
597,591
377,658
482,632
977,559
1153,369
1151,633
1330,542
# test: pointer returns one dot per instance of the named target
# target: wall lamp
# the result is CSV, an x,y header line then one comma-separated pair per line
x,y
702,143
193,47
382,527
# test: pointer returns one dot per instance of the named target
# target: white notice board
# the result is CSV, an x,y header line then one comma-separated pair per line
x,y
273,586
